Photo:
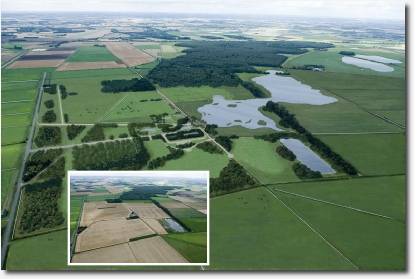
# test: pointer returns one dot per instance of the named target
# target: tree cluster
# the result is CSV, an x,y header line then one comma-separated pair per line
x,y
308,67
63,92
48,135
38,161
146,192
160,161
151,32
192,133
66,117
224,141
185,145
49,104
348,53
287,119
209,147
159,136
114,155
211,129
96,133
50,88
303,172
285,153
40,206
49,117
256,91
232,177
158,118
134,127
123,85
74,130
55,170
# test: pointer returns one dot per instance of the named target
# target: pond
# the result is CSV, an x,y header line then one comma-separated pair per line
x,y
174,225
149,129
376,58
378,67
307,157
226,113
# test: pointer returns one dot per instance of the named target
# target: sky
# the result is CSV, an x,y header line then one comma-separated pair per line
x,y
393,9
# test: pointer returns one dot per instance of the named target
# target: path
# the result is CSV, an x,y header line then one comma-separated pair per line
x,y
59,96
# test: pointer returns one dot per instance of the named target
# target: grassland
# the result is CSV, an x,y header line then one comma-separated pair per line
x,y
198,160
258,232
169,50
373,243
186,213
102,198
92,54
14,134
260,159
193,246
371,154
380,195
145,68
156,148
17,91
23,74
8,180
164,199
198,224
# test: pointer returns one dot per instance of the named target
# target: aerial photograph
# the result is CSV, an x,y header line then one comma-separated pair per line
x,y
184,135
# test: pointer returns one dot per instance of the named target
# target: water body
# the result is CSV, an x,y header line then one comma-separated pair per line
x,y
226,113
149,129
378,67
307,157
377,59
174,225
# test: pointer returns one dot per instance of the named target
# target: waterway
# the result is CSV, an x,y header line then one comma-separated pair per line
x,y
307,157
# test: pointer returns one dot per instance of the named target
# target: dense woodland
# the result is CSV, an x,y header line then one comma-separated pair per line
x,y
49,117
38,161
74,130
215,63
55,170
96,133
232,177
224,141
193,133
114,155
256,91
123,85
209,147
146,192
40,206
48,135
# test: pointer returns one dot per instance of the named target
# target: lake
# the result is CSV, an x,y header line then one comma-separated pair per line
x,y
378,67
174,225
226,113
376,58
306,156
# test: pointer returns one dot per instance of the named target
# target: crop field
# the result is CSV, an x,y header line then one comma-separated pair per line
x,y
156,148
260,159
195,203
13,134
23,74
197,159
128,54
196,224
7,178
113,190
16,107
373,243
192,246
280,240
169,51
110,232
155,225
380,195
91,54
173,205
75,66
367,154
18,91
186,213
120,253
147,210
40,60
97,211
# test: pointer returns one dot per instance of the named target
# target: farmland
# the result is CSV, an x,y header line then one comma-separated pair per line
x,y
255,213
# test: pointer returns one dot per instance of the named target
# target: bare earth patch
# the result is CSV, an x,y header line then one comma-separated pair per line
x,y
96,211
155,225
113,190
35,64
106,233
173,205
128,54
114,254
73,66
147,210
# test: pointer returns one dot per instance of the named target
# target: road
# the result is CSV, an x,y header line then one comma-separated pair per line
x,y
12,213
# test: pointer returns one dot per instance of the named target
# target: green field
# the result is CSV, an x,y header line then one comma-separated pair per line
x,y
193,246
100,190
163,199
105,74
10,155
7,177
260,159
13,134
371,154
258,232
370,242
102,198
23,74
145,68
16,107
16,91
379,195
198,224
168,50
197,159
186,213
156,148
190,108
92,54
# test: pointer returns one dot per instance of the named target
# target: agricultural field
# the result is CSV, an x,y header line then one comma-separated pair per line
x,y
91,54
128,54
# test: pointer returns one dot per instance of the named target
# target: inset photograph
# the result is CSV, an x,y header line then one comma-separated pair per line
x,y
138,218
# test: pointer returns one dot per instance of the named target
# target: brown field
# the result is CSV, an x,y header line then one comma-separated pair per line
x,y
128,54
184,200
204,211
147,210
35,64
155,226
73,66
113,190
80,193
120,253
50,52
97,211
155,250
153,52
110,232
98,194
173,205
197,204
6,56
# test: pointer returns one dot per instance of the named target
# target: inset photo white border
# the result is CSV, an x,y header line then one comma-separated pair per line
x,y
122,214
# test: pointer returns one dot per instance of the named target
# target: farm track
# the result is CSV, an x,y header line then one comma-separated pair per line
x,y
59,96
309,226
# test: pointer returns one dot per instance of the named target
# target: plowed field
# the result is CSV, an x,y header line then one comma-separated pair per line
x,y
97,211
155,225
147,210
128,54
114,254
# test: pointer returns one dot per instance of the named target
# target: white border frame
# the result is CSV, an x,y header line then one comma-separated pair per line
x,y
207,173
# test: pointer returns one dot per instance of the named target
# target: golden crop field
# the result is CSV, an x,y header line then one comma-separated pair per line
x,y
96,211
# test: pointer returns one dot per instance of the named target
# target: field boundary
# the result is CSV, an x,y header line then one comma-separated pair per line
x,y
333,247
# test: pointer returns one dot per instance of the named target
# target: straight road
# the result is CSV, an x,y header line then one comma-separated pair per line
x,y
20,182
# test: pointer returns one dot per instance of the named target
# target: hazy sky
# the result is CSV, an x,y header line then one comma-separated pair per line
x,y
393,9
159,174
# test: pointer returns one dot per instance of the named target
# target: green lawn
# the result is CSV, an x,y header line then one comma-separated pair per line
x,y
370,242
252,230
156,148
371,154
260,159
92,54
197,159
379,195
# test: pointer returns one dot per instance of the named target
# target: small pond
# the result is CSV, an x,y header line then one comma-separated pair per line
x,y
149,129
307,157
375,66
174,225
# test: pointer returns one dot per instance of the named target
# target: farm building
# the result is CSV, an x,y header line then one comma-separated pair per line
x,y
133,215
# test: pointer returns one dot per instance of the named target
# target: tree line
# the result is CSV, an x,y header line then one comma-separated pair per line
x,y
74,130
96,133
209,147
146,192
123,85
256,91
160,161
192,133
303,172
285,153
